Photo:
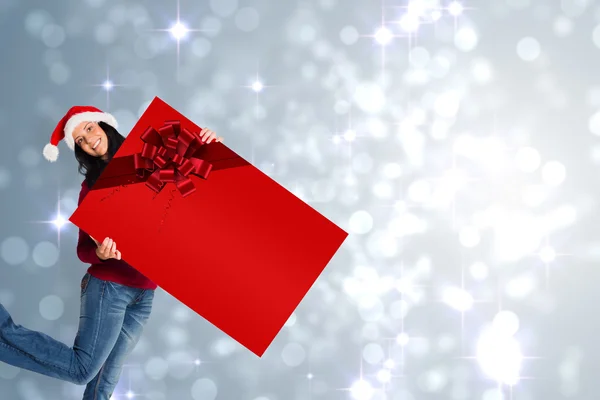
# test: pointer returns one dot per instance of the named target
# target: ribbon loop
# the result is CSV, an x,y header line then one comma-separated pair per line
x,y
167,157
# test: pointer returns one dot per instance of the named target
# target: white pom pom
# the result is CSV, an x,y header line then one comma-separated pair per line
x,y
51,152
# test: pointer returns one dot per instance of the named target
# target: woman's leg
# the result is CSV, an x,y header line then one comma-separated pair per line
x,y
103,385
101,319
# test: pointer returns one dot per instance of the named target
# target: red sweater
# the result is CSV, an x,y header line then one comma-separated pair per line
x,y
112,270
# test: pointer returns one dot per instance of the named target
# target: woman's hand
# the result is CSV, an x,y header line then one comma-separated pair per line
x,y
107,249
208,136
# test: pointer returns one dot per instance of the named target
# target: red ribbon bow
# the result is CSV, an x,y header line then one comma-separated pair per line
x,y
167,156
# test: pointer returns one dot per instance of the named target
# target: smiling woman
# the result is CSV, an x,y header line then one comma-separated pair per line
x,y
91,138
116,299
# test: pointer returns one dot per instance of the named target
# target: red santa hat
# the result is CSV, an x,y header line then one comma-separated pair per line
x,y
65,127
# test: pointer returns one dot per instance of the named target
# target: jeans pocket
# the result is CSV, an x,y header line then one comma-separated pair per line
x,y
85,282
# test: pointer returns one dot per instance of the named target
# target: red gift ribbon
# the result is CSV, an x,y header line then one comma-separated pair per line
x,y
167,156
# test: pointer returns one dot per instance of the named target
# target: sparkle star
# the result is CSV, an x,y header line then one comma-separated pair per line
x,y
455,9
179,31
108,85
257,86
59,221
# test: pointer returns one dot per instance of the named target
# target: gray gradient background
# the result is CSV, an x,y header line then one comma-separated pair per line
x,y
522,71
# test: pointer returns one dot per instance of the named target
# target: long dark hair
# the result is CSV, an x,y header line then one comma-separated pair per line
x,y
91,167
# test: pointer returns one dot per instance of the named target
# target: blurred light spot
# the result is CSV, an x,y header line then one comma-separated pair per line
x,y
29,157
594,123
458,299
433,381
36,21
392,170
105,33
369,97
547,254
419,57
402,339
534,195
293,354
466,39
479,271
156,368
553,173
361,390
204,389
360,222
383,36
481,70
179,30
53,35
14,250
399,309
520,287
574,8
371,309
493,394
409,22
247,19
181,364
516,235
499,357
469,237
562,26
440,66
308,33
373,353
389,364
257,86
439,130
446,105
419,191
528,49
175,336
223,8
201,47
349,35
59,73
45,254
506,323
455,8
51,307
95,3
211,26
528,159
383,190
384,376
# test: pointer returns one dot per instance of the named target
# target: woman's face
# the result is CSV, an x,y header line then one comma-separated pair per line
x,y
91,138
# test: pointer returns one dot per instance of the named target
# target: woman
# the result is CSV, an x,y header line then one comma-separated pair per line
x,y
116,300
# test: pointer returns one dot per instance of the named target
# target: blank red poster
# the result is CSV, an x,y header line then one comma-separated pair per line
x,y
208,227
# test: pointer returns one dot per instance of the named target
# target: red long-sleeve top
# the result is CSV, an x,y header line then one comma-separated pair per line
x,y
112,270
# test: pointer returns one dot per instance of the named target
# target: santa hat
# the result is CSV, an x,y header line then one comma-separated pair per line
x,y
65,127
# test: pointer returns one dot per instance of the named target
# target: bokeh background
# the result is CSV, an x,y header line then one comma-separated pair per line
x,y
457,142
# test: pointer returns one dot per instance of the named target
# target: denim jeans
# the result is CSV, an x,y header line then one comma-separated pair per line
x,y
111,321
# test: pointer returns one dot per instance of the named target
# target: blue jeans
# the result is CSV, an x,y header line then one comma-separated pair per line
x,y
111,322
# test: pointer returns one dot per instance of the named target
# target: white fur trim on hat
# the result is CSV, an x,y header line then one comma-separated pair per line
x,y
51,152
89,116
